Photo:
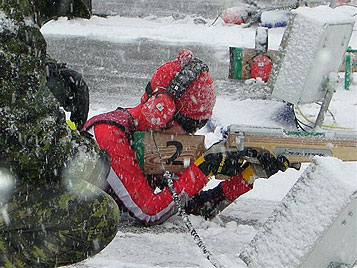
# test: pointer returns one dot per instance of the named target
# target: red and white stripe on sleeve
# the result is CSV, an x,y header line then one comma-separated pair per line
x,y
130,185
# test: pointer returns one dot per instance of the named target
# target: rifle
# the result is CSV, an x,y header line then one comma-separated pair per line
x,y
177,152
295,145
298,147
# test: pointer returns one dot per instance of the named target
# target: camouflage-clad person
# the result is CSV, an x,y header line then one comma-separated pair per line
x,y
49,215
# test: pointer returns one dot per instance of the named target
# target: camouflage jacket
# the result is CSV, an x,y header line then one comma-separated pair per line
x,y
35,142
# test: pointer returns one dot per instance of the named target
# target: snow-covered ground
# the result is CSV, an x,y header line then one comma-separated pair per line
x,y
169,245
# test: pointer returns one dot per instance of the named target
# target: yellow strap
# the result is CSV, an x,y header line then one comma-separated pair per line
x,y
71,124
248,174
199,161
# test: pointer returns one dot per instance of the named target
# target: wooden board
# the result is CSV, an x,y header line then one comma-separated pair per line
x,y
177,152
298,149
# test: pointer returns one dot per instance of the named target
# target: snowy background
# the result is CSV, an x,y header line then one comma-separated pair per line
x,y
114,82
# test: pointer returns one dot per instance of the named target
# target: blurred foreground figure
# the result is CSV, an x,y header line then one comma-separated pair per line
x,y
51,211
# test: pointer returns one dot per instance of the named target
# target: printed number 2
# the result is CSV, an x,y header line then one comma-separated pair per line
x,y
179,147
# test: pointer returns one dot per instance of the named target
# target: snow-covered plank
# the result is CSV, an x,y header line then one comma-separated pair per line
x,y
313,45
308,213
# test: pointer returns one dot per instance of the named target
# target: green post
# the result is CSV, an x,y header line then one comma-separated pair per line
x,y
349,65
348,71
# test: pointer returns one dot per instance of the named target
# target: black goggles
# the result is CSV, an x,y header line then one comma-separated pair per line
x,y
188,124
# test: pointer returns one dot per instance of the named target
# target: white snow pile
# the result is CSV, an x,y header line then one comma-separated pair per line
x,y
121,29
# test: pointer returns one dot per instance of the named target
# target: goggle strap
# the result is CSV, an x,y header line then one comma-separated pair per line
x,y
183,78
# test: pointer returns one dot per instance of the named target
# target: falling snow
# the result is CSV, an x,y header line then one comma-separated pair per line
x,y
168,245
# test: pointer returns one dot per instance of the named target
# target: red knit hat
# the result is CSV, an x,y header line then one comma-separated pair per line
x,y
198,100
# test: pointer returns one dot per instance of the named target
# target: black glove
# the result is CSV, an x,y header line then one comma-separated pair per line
x,y
70,90
268,164
208,203
78,99
220,160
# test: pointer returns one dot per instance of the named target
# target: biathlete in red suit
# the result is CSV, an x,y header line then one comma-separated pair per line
x,y
179,99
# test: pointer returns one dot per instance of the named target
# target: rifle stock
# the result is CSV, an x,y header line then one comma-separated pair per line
x,y
296,146
177,152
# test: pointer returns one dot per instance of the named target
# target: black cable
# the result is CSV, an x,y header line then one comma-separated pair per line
x,y
298,122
